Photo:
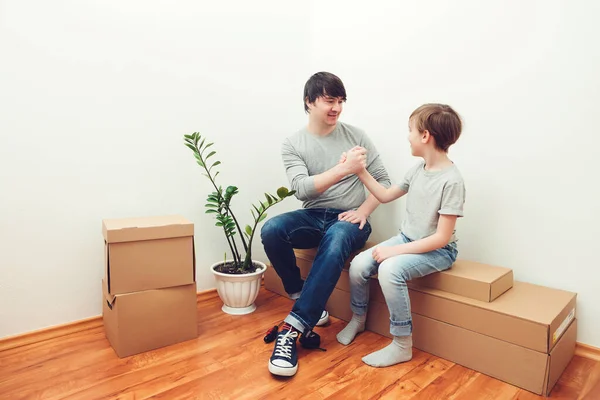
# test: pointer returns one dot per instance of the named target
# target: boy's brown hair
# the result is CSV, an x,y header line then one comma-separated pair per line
x,y
442,122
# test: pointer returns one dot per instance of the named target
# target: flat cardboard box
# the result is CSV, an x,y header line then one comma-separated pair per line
x,y
470,279
150,319
148,253
465,278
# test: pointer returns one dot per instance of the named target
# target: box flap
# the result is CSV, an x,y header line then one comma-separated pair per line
x,y
527,301
146,228
109,298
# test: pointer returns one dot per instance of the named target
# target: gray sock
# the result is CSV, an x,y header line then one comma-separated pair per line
x,y
356,325
399,351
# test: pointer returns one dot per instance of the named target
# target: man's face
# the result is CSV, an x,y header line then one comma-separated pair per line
x,y
326,110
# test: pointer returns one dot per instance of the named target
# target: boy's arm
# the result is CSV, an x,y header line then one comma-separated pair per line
x,y
451,209
380,192
436,241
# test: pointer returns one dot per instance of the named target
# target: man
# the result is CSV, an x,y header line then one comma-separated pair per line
x,y
334,215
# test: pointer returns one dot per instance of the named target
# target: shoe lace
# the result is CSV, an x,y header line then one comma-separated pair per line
x,y
283,347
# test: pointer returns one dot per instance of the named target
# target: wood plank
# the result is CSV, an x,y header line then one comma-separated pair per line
x,y
229,360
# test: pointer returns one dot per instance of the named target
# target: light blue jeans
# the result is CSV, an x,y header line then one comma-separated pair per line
x,y
393,273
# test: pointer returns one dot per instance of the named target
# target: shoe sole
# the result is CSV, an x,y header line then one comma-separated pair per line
x,y
323,321
282,371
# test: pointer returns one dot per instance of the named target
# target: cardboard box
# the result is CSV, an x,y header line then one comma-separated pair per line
x,y
148,253
471,279
531,370
146,320
528,369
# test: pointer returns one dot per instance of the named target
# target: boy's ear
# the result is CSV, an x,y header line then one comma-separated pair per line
x,y
425,136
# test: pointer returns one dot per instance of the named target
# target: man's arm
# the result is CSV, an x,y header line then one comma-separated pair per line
x,y
310,187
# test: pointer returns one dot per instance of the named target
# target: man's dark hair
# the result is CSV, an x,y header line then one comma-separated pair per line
x,y
323,84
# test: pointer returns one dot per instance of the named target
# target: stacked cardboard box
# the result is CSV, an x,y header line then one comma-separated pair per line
x,y
475,315
149,284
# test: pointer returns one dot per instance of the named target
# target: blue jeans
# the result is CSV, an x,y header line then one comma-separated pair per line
x,y
393,273
305,229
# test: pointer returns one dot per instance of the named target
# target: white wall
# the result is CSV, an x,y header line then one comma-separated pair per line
x,y
525,77
103,92
95,100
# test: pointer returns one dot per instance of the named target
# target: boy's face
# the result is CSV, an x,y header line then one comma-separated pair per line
x,y
415,138
326,110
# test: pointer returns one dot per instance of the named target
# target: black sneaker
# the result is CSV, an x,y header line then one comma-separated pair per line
x,y
284,360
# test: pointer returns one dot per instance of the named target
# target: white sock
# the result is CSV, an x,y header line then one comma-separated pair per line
x,y
399,351
356,325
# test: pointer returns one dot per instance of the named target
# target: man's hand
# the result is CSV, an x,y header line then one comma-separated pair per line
x,y
353,216
381,253
342,158
355,160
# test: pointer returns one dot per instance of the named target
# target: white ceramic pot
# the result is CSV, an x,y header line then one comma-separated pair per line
x,y
238,291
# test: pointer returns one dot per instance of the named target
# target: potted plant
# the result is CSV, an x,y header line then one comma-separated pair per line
x,y
238,279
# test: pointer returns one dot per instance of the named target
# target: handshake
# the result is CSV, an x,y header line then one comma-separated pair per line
x,y
354,160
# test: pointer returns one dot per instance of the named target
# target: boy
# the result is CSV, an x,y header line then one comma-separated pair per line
x,y
427,242
334,215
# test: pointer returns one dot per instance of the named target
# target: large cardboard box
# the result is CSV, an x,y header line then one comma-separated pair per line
x,y
535,371
150,319
148,253
471,279
529,315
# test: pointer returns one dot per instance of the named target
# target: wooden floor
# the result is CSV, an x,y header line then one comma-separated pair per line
x,y
229,361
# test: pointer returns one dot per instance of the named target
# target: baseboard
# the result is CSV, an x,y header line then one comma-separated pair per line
x,y
24,339
587,351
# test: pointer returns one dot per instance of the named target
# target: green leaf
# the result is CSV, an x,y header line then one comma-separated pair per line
x,y
211,205
248,230
219,223
215,164
257,210
201,143
262,217
191,146
200,163
211,211
282,192
188,136
212,153
269,198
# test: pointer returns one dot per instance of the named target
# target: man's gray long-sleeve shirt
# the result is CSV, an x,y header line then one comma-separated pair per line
x,y
305,155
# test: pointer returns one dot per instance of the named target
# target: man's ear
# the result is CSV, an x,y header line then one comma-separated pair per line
x,y
308,103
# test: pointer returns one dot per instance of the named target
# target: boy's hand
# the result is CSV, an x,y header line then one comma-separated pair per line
x,y
353,216
356,160
381,253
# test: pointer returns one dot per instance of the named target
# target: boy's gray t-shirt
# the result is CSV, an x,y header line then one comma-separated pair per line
x,y
431,193
305,155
